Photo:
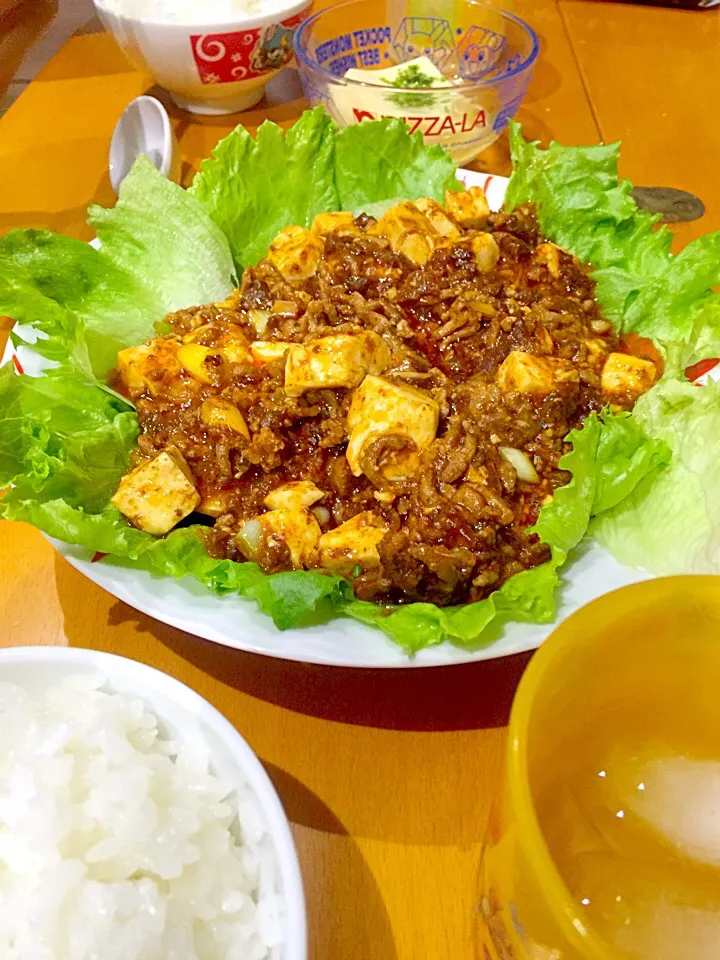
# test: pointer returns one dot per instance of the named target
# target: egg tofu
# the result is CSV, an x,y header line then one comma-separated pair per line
x,y
353,544
524,373
158,494
380,409
341,360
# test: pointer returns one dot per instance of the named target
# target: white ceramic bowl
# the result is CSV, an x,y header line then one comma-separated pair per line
x,y
186,715
210,68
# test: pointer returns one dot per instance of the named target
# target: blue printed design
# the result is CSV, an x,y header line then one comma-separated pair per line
x,y
479,53
424,35
317,93
506,113
513,62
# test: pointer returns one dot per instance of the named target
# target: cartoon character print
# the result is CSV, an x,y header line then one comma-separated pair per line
x,y
480,53
424,36
244,54
274,48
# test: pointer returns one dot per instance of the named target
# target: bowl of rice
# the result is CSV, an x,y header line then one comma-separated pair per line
x,y
213,56
135,821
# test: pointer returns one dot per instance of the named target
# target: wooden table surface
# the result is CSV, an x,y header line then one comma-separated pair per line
x,y
386,776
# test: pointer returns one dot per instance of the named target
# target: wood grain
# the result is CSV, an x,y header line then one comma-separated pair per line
x,y
387,776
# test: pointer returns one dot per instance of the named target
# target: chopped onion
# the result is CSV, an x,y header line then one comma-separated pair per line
x,y
259,319
322,515
249,536
521,463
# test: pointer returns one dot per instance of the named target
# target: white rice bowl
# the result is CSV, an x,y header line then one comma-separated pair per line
x,y
125,838
191,11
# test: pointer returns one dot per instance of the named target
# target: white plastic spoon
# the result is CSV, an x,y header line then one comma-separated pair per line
x,y
145,128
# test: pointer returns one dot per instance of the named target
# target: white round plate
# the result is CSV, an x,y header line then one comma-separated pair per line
x,y
344,642
237,623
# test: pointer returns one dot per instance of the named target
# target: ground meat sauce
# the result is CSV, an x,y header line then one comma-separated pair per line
x,y
458,528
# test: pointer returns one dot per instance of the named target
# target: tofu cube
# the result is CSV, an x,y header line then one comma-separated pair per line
x,y
352,544
149,366
469,208
409,232
381,409
296,253
417,247
336,361
297,528
486,251
444,225
627,376
157,495
298,493
341,222
524,373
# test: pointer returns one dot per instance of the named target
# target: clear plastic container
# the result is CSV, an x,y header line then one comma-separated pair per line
x,y
484,56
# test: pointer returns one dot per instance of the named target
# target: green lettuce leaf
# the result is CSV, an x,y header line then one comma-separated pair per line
x,y
60,334
253,188
164,238
62,438
161,252
626,457
526,597
583,207
85,307
642,287
610,456
379,161
671,523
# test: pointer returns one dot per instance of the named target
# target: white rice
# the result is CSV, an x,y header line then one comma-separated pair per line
x,y
119,844
192,11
